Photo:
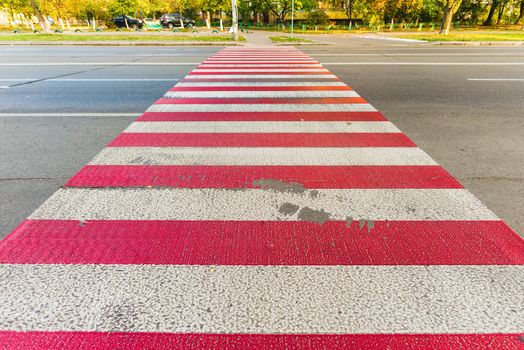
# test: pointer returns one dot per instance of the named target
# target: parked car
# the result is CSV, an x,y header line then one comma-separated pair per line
x,y
134,23
171,20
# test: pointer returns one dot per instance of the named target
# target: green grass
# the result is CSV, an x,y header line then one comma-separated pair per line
x,y
467,37
288,39
120,37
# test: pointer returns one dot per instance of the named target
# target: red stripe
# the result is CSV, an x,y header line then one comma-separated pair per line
x,y
272,56
39,340
262,140
262,243
260,57
220,101
260,73
261,88
258,62
262,116
257,66
255,80
243,176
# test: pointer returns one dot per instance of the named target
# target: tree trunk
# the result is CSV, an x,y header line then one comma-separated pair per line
x,y
450,7
446,20
491,13
282,19
502,8
43,22
208,20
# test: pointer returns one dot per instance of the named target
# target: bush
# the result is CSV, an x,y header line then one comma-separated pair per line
x,y
317,17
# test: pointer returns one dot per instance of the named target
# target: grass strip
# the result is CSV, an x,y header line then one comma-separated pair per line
x,y
466,37
79,37
288,39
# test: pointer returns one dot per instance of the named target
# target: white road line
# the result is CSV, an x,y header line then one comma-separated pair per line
x,y
101,64
385,54
20,79
260,76
261,83
261,94
263,299
259,205
324,63
63,80
76,114
423,63
4,87
346,107
262,127
262,156
495,79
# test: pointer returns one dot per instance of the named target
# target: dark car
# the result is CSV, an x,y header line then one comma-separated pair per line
x,y
171,20
134,23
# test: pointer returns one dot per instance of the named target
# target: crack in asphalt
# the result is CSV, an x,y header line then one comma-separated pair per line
x,y
32,178
501,178
74,73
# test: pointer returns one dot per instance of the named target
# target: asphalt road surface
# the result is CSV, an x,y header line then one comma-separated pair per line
x,y
462,105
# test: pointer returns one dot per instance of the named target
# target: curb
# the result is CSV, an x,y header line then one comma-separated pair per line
x,y
479,43
299,44
118,43
390,38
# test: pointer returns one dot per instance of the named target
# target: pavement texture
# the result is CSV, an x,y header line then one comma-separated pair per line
x,y
227,217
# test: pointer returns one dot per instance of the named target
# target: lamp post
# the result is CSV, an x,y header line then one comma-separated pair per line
x,y
234,16
292,16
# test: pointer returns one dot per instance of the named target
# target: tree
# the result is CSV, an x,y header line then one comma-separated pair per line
x,y
316,17
521,13
450,7
122,7
349,11
493,7
281,8
46,28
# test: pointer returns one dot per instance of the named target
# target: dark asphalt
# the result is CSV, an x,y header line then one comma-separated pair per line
x,y
473,128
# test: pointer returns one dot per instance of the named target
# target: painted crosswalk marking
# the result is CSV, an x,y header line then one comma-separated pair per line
x,y
262,203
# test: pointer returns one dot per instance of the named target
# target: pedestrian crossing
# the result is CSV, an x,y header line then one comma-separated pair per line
x,y
262,204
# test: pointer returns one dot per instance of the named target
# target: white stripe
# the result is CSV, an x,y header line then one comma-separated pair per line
x,y
263,156
79,114
261,83
262,94
262,127
495,79
265,76
259,205
357,107
263,299
258,70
